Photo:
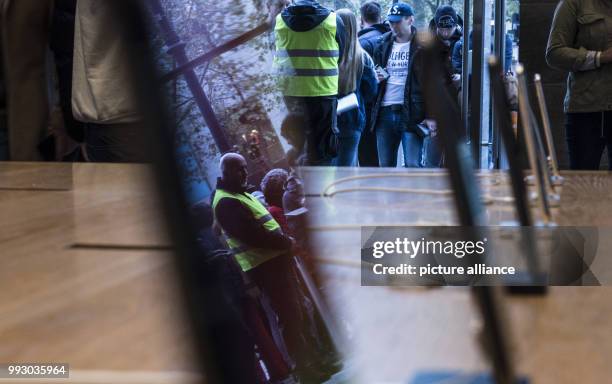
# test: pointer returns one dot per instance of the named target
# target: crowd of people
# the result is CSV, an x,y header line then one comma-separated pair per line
x,y
323,57
253,236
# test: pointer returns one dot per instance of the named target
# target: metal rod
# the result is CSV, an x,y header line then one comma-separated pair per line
x,y
216,51
500,48
504,122
319,303
541,157
177,49
465,69
552,155
528,130
477,77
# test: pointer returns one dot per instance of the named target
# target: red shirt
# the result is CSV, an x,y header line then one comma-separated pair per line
x,y
279,215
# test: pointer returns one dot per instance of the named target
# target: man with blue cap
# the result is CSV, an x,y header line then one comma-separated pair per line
x,y
399,108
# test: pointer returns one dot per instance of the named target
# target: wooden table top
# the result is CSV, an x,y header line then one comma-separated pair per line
x,y
86,279
562,337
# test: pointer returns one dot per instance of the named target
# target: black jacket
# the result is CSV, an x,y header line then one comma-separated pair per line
x,y
414,105
447,50
304,15
368,37
238,221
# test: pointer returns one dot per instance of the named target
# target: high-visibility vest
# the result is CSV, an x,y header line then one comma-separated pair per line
x,y
307,62
246,256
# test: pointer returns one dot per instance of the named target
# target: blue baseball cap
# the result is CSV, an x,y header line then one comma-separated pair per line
x,y
398,11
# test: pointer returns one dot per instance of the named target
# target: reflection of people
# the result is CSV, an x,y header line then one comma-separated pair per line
x,y
273,188
580,43
263,251
399,105
250,230
373,28
356,75
309,39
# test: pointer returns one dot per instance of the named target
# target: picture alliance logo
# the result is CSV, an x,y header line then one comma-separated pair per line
x,y
412,248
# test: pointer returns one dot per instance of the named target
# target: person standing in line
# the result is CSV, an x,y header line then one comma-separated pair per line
x,y
580,42
372,28
264,253
308,40
356,76
273,188
399,106
445,26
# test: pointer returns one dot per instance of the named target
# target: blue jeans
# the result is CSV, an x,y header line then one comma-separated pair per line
x,y
390,132
348,142
432,152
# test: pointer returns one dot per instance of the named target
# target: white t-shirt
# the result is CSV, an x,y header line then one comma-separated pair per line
x,y
397,67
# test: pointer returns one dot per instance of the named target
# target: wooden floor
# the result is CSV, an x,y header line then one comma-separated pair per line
x,y
86,278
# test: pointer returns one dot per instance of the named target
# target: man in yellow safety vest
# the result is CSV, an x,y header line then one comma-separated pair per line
x,y
309,39
249,229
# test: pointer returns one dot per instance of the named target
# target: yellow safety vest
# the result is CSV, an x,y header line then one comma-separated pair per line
x,y
249,257
307,62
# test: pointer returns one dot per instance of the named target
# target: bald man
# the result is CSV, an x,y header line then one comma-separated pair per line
x,y
242,217
262,251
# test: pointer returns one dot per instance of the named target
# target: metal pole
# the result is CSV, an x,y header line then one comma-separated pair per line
x,y
177,49
500,49
552,155
478,39
519,188
504,123
465,69
525,115
216,51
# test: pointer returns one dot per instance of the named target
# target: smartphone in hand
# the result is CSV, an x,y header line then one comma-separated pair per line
x,y
381,73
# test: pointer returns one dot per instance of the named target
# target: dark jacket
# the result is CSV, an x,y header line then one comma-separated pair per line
x,y
304,15
580,26
238,221
457,59
368,37
367,87
414,105
447,50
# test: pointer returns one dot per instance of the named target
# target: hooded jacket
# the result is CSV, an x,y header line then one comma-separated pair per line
x,y
456,36
304,15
